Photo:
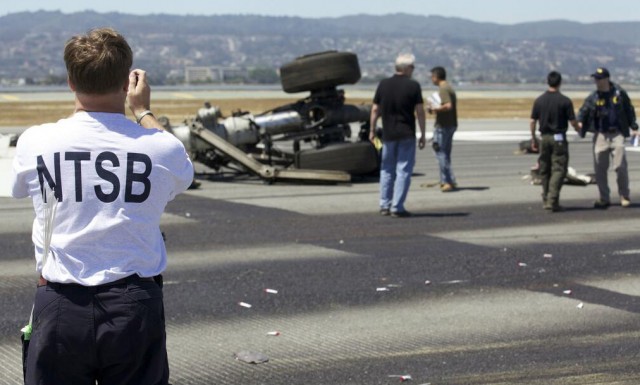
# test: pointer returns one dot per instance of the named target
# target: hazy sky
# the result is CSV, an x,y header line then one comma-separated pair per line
x,y
498,11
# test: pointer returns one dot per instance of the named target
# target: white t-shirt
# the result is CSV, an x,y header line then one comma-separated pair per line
x,y
115,178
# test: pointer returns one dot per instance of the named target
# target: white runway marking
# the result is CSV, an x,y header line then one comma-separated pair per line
x,y
495,136
626,252
183,95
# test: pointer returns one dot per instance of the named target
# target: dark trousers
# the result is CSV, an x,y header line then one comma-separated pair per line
x,y
553,162
112,334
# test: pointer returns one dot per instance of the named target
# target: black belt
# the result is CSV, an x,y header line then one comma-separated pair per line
x,y
122,281
610,130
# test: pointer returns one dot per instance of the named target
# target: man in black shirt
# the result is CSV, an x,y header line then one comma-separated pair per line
x,y
552,111
398,100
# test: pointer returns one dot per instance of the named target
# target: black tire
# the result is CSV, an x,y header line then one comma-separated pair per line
x,y
320,70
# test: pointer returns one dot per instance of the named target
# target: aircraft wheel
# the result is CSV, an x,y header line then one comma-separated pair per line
x,y
320,70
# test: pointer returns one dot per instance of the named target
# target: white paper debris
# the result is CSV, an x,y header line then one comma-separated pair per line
x,y
271,291
382,289
274,333
568,292
427,282
580,305
244,304
522,264
402,377
187,214
546,255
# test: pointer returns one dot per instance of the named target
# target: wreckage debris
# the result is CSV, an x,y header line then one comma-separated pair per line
x,y
402,377
251,357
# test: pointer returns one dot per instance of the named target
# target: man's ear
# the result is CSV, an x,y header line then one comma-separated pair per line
x,y
71,85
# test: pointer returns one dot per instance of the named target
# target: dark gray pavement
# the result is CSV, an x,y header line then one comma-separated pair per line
x,y
497,309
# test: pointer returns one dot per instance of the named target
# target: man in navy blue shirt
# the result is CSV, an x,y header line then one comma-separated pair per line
x,y
608,113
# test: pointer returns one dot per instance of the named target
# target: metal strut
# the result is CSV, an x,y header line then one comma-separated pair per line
x,y
267,172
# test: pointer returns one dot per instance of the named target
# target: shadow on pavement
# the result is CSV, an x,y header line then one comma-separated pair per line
x,y
596,296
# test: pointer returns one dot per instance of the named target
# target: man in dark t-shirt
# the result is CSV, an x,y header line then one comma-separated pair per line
x,y
398,100
553,111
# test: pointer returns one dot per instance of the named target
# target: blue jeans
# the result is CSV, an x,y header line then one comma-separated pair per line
x,y
398,159
444,137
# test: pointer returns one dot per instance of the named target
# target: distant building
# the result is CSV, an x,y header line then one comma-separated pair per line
x,y
215,74
199,75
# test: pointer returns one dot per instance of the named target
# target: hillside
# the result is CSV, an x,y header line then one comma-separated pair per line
x,y
256,46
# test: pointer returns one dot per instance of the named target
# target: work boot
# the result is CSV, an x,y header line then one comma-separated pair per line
x,y
385,212
400,214
446,187
601,204
554,207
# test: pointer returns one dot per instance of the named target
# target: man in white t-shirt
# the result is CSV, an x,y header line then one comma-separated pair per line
x,y
99,184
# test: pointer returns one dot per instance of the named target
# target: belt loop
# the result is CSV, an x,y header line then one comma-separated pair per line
x,y
159,280
132,278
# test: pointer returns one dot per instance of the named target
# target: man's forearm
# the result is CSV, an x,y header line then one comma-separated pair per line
x,y
373,118
574,123
532,128
422,119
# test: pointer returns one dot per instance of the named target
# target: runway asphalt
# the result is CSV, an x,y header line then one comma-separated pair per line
x,y
480,286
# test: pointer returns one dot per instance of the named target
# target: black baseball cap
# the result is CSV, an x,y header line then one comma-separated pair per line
x,y
601,73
